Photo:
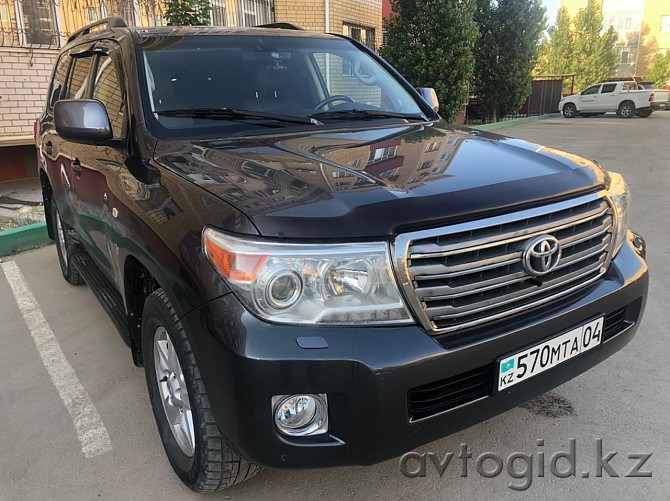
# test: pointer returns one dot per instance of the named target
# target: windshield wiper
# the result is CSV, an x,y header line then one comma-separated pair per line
x,y
358,114
231,114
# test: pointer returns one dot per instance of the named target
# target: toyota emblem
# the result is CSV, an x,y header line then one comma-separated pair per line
x,y
541,255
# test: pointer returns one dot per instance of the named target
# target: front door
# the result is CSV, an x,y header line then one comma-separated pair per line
x,y
588,99
100,165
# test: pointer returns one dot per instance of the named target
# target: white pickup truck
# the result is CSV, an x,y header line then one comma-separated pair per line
x,y
624,98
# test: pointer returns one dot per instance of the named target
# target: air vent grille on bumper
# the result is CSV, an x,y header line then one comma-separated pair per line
x,y
466,274
446,394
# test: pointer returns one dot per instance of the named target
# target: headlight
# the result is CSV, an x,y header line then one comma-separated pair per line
x,y
620,196
332,284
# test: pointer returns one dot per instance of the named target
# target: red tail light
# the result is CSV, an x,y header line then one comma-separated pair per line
x,y
651,97
35,131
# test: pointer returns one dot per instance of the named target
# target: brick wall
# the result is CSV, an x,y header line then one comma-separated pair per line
x,y
24,78
311,14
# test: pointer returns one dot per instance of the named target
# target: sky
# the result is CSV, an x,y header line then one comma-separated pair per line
x,y
552,7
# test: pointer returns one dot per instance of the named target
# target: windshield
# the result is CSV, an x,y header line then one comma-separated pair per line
x,y
191,79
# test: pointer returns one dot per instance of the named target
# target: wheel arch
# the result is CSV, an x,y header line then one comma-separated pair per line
x,y
138,283
47,194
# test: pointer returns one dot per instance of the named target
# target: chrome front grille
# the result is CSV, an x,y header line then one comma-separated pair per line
x,y
466,274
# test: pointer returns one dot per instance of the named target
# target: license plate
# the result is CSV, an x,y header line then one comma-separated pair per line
x,y
525,364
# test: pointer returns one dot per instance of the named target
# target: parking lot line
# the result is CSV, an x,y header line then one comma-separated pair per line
x,y
91,431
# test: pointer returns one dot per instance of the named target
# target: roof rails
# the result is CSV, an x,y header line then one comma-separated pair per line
x,y
283,26
110,22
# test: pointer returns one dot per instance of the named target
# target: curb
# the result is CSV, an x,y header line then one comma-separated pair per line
x,y
23,237
517,121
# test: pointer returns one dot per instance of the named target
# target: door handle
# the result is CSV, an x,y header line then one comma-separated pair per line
x,y
76,168
48,148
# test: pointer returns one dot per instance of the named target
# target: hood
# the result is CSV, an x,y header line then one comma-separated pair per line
x,y
371,182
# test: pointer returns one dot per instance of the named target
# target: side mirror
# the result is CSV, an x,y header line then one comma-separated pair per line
x,y
430,96
82,121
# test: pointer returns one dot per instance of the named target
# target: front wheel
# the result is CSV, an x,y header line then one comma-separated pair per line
x,y
569,110
626,110
202,458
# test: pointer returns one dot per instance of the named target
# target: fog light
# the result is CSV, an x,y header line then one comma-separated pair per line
x,y
301,415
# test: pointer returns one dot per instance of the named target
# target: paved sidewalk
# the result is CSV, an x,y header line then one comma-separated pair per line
x,y
20,203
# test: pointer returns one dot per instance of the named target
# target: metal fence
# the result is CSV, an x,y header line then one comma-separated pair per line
x,y
48,23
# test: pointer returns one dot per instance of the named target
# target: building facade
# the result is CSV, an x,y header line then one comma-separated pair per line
x,y
643,28
32,32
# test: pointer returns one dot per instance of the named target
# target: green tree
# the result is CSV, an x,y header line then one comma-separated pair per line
x,y
187,12
559,51
431,42
659,72
506,52
593,57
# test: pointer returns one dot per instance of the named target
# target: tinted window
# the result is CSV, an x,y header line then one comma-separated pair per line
x,y
79,77
58,82
107,90
591,90
607,88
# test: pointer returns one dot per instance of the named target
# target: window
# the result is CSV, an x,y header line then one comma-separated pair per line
x,y
76,89
58,81
591,90
361,34
607,88
39,23
382,154
218,13
665,23
342,173
433,147
107,90
425,165
624,57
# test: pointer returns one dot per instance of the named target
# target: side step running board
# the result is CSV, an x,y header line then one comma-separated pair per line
x,y
104,290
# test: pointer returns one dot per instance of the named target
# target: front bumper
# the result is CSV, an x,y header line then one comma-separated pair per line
x,y
367,372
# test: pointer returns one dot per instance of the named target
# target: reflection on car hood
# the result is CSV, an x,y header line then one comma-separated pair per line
x,y
368,182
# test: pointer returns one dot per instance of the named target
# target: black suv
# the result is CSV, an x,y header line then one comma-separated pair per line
x,y
313,268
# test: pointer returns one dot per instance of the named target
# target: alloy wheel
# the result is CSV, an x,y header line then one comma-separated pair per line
x,y
173,392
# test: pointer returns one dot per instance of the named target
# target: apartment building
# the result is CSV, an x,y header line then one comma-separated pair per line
x,y
32,31
643,27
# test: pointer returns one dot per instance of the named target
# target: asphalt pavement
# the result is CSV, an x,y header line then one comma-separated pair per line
x,y
51,447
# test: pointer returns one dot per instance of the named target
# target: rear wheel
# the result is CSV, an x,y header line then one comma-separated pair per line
x,y
202,458
569,110
644,113
64,248
626,110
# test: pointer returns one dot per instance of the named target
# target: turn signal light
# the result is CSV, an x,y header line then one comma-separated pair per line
x,y
234,266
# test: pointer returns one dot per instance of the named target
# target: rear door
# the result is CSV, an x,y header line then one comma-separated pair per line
x,y
607,97
50,148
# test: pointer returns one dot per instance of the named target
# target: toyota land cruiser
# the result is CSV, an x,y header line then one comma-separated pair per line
x,y
313,268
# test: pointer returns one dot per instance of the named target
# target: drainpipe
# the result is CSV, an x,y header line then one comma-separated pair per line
x,y
327,7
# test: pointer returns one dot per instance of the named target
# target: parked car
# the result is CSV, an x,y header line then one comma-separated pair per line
x,y
624,98
312,266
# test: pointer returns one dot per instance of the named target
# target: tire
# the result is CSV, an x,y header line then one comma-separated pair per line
x,y
205,462
569,110
626,109
644,113
64,248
